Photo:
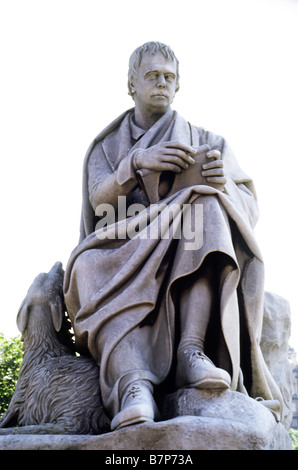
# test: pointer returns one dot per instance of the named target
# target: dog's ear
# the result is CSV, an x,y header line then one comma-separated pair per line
x,y
22,316
57,311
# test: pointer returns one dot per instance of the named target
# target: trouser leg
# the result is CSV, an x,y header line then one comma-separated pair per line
x,y
194,368
129,382
195,310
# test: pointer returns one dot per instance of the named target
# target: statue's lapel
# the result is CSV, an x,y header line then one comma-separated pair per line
x,y
117,144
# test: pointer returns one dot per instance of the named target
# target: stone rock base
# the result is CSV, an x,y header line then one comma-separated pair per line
x,y
224,421
182,433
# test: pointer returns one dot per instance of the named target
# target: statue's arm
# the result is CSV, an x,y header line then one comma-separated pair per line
x,y
105,184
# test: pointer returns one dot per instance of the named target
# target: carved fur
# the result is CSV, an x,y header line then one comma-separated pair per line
x,y
55,387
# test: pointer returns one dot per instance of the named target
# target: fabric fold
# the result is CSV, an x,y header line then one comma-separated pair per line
x,y
120,291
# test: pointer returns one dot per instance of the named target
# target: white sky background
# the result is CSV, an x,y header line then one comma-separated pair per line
x,y
64,78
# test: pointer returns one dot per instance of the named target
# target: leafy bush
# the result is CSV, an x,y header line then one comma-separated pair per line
x,y
294,436
10,363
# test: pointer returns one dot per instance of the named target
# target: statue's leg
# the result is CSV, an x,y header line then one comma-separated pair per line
x,y
194,368
137,405
129,385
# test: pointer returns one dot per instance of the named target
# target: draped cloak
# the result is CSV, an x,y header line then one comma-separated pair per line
x,y
121,292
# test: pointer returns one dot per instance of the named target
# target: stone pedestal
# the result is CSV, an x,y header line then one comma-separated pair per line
x,y
224,421
229,420
275,348
181,433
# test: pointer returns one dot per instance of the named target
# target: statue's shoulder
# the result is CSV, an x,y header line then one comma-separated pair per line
x,y
106,132
111,127
215,141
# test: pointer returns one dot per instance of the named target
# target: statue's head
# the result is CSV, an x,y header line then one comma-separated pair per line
x,y
149,48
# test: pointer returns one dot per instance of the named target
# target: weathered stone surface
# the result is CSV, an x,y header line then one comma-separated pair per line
x,y
195,419
181,433
122,295
201,420
244,423
128,285
274,344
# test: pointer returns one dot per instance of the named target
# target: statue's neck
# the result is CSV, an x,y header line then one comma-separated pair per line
x,y
145,120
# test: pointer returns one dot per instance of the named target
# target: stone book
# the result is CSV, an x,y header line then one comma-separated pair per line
x,y
159,184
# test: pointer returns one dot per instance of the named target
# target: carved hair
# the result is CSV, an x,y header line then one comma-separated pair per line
x,y
150,48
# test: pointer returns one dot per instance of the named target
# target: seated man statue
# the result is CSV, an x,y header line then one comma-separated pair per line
x,y
165,288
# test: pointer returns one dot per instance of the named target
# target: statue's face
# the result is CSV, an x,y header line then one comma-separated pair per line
x,y
154,88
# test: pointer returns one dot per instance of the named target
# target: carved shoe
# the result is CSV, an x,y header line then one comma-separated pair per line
x,y
137,406
196,370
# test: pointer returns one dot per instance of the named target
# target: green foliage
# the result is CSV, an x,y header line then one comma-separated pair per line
x,y
10,363
294,436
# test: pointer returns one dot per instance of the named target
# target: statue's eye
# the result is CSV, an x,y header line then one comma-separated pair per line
x,y
151,75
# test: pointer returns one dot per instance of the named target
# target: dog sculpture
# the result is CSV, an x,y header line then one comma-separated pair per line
x,y
57,391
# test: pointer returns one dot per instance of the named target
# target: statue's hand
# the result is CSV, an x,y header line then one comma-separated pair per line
x,y
213,171
166,156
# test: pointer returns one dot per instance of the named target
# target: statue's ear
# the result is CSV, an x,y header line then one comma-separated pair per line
x,y
57,312
132,87
22,316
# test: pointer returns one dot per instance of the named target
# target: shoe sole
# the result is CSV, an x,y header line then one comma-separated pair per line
x,y
209,383
131,422
132,415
